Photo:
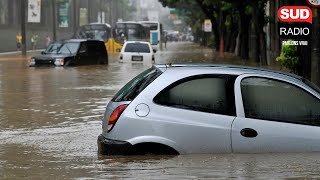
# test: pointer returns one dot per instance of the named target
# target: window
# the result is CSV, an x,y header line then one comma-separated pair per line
x,y
280,101
206,93
4,12
69,48
53,48
137,47
137,85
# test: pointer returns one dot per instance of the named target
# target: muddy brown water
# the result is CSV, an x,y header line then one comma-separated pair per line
x,y
50,119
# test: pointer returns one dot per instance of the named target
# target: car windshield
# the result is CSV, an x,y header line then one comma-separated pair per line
x,y
69,48
53,48
137,85
137,47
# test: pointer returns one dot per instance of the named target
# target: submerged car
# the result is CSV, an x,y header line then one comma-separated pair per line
x,y
137,51
71,53
184,109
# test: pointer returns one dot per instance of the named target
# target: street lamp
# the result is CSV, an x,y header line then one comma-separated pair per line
x,y
23,28
54,20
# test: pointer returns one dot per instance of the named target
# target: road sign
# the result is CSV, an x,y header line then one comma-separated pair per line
x,y
207,25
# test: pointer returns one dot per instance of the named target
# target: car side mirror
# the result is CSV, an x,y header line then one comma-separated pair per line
x,y
154,50
43,52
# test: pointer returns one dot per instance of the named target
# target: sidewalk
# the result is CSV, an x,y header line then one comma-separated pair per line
x,y
17,55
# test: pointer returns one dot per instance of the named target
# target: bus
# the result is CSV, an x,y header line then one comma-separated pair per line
x,y
113,38
129,31
96,31
156,33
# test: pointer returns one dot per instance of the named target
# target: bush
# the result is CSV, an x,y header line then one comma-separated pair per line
x,y
289,57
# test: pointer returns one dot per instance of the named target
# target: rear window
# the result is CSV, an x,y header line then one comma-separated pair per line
x,y
137,85
137,47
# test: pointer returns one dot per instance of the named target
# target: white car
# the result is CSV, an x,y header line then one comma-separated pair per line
x,y
184,109
137,51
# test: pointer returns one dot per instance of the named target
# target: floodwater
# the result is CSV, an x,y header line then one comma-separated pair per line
x,y
50,119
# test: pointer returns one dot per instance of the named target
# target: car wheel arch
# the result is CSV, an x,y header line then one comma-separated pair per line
x,y
152,140
67,61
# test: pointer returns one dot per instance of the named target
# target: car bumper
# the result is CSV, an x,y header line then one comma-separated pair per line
x,y
112,147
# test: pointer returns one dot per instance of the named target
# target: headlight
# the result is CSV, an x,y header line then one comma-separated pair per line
x,y
59,62
32,62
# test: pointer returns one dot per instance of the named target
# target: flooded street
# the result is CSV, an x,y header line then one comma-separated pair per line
x,y
50,119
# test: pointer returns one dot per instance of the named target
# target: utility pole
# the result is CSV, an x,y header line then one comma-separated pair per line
x,y
75,22
111,13
101,9
315,48
23,28
89,11
54,20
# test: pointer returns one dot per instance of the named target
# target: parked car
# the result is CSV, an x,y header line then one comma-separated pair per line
x,y
137,51
183,109
72,52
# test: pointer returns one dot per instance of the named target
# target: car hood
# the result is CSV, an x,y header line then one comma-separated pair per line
x,y
51,56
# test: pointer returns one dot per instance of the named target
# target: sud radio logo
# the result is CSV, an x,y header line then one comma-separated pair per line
x,y
295,23
295,14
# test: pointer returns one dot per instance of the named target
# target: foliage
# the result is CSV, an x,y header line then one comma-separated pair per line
x,y
289,57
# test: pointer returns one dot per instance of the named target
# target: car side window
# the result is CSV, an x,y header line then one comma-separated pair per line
x,y
270,99
83,49
205,93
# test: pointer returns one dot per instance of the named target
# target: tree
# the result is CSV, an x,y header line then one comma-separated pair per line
x,y
231,21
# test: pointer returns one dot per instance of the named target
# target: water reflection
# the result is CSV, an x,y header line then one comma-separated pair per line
x,y
221,166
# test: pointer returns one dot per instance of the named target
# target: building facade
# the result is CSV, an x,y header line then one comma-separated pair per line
x,y
58,19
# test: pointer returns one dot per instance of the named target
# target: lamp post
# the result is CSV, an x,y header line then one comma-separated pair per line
x,y
23,28
315,48
54,20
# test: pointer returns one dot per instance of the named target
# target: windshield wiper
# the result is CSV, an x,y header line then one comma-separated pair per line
x,y
69,50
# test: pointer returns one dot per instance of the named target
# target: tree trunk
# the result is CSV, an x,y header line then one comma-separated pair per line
x,y
233,43
262,36
315,46
230,37
244,33
228,41
216,34
263,49
237,47
255,28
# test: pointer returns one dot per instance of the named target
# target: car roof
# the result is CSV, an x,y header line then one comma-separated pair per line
x,y
128,22
81,40
139,42
97,23
229,69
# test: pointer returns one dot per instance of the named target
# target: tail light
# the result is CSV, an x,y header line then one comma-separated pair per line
x,y
115,116
121,56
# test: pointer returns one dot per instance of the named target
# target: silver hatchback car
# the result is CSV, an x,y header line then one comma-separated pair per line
x,y
183,109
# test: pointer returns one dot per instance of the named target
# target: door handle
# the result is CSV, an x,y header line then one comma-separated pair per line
x,y
249,133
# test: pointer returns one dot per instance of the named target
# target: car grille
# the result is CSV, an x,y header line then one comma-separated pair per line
x,y
44,62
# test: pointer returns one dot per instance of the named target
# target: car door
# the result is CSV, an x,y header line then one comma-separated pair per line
x,y
95,52
275,115
196,113
83,54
